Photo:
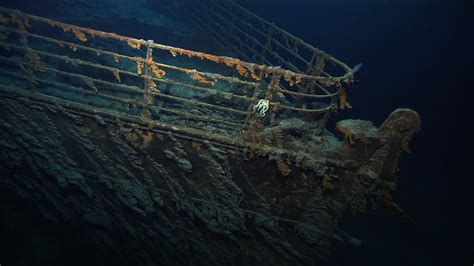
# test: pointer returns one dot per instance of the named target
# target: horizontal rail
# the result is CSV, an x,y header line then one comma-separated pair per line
x,y
220,140
131,58
347,77
320,110
136,89
118,99
79,76
78,61
70,87
258,72
327,95
177,98
194,102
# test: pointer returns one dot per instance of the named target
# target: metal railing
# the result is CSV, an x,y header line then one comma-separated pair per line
x,y
250,37
157,82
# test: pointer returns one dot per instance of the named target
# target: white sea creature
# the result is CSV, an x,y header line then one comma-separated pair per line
x,y
261,107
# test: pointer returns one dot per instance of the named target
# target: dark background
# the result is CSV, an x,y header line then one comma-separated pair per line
x,y
416,54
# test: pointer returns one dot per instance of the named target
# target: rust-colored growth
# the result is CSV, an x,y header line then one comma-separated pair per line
x,y
284,168
254,75
327,183
298,79
201,79
243,71
230,62
291,79
140,66
158,72
343,101
173,53
134,44
80,35
154,90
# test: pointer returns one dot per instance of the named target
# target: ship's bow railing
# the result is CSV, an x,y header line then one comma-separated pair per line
x,y
155,82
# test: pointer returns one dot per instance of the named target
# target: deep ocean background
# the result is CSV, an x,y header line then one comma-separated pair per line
x,y
416,54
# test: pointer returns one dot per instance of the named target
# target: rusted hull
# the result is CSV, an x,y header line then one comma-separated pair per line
x,y
180,201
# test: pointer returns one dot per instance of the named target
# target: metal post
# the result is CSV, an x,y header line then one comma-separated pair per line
x,y
147,95
271,88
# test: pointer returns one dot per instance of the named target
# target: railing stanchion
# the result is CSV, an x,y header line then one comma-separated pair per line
x,y
147,93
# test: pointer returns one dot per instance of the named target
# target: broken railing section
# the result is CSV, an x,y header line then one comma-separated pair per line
x,y
74,59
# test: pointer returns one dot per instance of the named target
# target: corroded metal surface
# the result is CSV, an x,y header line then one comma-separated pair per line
x,y
180,199
39,47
